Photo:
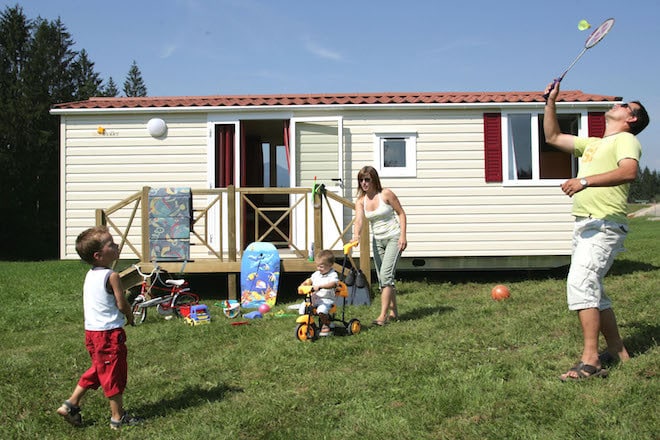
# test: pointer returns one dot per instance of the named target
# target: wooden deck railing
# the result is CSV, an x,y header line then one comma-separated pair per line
x,y
225,203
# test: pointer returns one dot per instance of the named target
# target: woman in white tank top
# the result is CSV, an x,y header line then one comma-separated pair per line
x,y
381,207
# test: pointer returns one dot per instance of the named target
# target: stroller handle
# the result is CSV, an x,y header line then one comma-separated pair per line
x,y
350,245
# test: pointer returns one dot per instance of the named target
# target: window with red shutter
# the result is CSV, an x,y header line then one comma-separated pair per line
x,y
596,124
493,147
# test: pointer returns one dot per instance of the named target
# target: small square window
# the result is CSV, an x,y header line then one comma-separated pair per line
x,y
396,154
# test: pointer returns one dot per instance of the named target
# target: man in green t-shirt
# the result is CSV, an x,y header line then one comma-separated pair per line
x,y
600,193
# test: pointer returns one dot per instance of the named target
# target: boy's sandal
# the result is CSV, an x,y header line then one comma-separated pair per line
x,y
126,420
583,371
379,322
70,413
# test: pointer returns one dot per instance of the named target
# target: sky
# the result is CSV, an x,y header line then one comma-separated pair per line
x,y
227,47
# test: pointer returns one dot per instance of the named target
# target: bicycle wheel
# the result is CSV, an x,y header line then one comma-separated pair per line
x,y
165,309
139,313
184,299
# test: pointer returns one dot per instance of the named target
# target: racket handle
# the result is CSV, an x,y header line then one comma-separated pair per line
x,y
554,84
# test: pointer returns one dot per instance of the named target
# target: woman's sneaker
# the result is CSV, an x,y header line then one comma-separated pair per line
x,y
70,413
125,420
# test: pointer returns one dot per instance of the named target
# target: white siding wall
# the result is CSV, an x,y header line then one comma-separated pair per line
x,y
451,210
99,170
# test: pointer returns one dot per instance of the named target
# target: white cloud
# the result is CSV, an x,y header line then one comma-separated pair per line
x,y
168,50
322,52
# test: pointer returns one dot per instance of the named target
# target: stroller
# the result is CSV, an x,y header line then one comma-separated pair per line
x,y
307,328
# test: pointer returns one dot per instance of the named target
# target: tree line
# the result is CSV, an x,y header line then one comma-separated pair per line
x,y
39,68
646,188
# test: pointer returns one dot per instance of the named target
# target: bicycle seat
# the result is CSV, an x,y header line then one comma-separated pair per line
x,y
177,283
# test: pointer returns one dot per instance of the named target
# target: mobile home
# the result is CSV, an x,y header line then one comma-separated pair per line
x,y
480,187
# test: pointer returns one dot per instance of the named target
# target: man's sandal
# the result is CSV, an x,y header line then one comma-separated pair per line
x,y
583,371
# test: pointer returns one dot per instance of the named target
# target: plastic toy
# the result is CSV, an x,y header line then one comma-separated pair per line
x,y
198,315
264,308
231,308
500,292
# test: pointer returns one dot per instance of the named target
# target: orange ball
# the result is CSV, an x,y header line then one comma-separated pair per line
x,y
500,292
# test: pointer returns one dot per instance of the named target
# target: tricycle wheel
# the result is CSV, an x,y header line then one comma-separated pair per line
x,y
306,332
353,327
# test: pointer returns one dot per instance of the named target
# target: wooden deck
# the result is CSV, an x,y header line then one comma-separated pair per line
x,y
225,255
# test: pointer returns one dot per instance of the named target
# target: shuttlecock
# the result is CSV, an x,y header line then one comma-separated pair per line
x,y
583,25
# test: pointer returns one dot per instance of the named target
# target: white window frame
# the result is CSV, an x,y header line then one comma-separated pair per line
x,y
535,180
410,170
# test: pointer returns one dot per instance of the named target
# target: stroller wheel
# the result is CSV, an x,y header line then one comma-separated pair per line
x,y
306,332
353,327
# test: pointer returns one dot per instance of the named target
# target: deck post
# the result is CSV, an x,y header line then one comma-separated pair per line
x,y
100,217
232,290
146,254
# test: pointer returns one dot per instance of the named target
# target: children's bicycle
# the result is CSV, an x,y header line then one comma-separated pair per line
x,y
166,295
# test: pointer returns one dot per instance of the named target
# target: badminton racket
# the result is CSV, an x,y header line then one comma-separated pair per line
x,y
595,37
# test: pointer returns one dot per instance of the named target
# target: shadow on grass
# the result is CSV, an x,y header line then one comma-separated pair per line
x,y
625,267
644,337
424,311
190,397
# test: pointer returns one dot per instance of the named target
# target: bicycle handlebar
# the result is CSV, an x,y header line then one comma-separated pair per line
x,y
156,269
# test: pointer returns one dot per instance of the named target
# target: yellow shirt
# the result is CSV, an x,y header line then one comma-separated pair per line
x,y
600,155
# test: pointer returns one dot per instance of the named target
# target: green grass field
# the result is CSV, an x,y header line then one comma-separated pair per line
x,y
457,366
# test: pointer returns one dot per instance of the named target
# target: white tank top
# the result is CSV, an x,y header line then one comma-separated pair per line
x,y
384,223
101,311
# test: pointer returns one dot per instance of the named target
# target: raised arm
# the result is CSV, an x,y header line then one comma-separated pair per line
x,y
553,135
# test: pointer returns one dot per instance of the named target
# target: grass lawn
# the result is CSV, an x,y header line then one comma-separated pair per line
x,y
457,366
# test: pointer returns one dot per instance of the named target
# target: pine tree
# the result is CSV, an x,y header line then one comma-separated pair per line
x,y
134,85
37,71
87,81
110,89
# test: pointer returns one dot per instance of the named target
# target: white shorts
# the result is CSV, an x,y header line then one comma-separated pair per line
x,y
323,305
596,243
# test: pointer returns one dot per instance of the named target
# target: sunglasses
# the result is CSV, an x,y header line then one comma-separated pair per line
x,y
365,179
627,105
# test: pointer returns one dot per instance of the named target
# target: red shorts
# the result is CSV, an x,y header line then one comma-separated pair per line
x,y
109,368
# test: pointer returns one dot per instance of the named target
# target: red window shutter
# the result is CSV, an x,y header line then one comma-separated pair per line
x,y
596,124
493,147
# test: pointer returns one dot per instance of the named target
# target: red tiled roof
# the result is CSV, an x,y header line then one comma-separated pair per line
x,y
330,99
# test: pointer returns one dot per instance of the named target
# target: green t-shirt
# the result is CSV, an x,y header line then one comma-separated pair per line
x,y
600,155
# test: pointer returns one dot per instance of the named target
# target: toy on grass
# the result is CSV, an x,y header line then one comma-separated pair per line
x,y
197,315
500,292
253,315
264,308
231,308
